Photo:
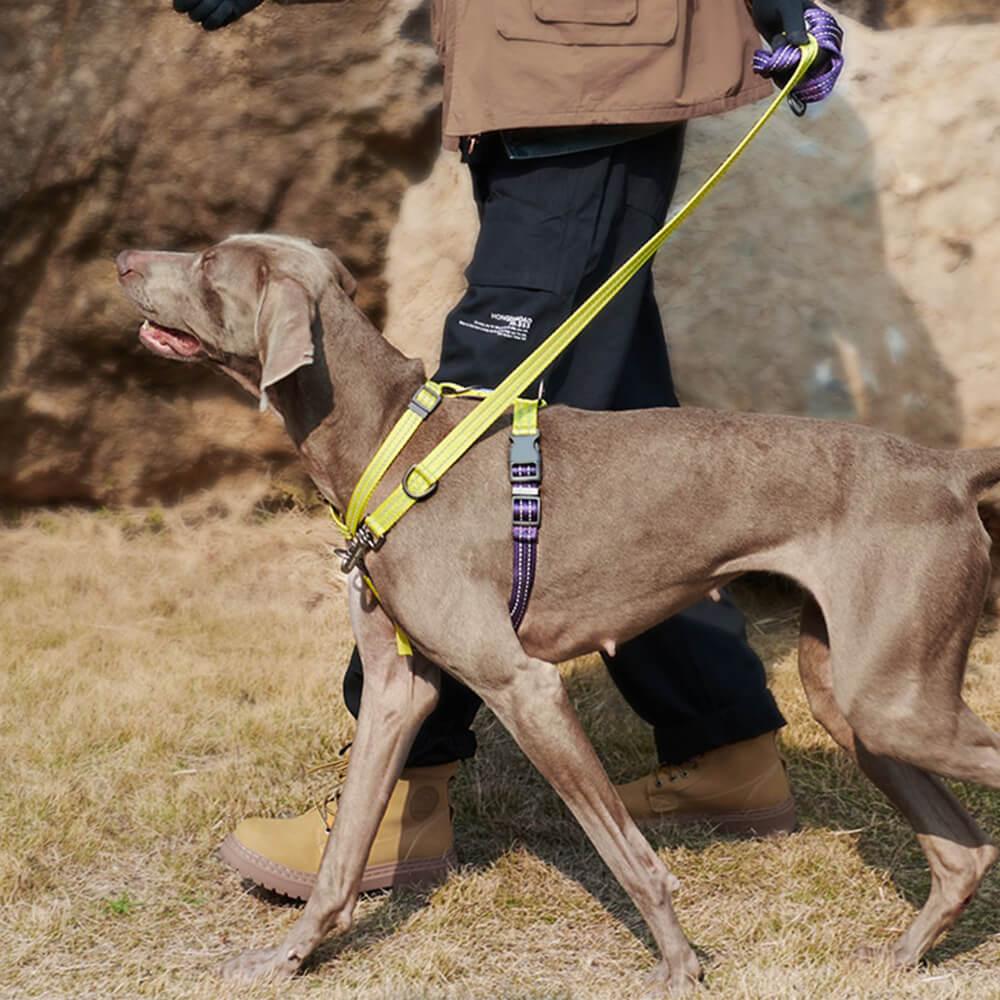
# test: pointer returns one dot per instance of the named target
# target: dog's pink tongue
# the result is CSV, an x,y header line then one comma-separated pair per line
x,y
162,338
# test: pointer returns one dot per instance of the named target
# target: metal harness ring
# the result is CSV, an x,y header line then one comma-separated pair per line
x,y
417,497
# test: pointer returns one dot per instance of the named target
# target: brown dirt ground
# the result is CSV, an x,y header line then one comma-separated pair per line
x,y
167,673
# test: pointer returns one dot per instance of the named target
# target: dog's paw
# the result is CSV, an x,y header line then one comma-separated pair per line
x,y
895,955
877,954
261,963
662,984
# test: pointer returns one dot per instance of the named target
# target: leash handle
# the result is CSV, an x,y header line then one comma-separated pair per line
x,y
465,434
818,83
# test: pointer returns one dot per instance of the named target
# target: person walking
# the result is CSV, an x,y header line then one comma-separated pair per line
x,y
571,118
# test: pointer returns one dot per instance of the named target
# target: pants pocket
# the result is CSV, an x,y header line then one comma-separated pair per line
x,y
523,226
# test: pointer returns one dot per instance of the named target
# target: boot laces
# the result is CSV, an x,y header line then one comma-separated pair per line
x,y
339,768
674,772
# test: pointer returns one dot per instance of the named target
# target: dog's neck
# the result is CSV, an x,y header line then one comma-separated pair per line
x,y
340,408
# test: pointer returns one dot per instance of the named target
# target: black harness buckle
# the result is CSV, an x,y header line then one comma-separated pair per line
x,y
525,458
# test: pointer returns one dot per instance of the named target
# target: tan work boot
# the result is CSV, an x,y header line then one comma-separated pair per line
x,y
739,788
413,846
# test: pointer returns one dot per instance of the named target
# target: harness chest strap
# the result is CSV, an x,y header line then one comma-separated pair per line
x,y
525,475
422,404
403,646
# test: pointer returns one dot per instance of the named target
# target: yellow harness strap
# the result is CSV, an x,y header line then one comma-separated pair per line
x,y
421,480
525,417
403,646
424,402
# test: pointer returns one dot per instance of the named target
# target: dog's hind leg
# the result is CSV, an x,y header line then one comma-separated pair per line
x,y
398,695
529,698
899,680
958,852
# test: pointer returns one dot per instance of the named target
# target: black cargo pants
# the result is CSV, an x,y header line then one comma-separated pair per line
x,y
551,230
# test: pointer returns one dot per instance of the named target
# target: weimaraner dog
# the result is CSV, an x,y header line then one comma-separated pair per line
x,y
645,513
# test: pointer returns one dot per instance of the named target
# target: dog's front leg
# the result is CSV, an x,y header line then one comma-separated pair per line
x,y
529,698
399,693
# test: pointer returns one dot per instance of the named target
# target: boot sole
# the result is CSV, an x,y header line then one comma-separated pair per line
x,y
767,822
299,885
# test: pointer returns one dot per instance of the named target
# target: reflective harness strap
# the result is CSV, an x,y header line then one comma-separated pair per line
x,y
526,503
423,403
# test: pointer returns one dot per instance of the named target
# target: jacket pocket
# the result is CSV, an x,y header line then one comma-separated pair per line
x,y
586,11
588,22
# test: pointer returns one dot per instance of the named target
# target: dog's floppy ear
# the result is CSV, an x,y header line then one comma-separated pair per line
x,y
284,332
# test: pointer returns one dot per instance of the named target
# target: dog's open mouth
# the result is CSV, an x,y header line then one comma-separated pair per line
x,y
170,343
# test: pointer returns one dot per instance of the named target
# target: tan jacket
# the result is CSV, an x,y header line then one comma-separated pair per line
x,y
529,63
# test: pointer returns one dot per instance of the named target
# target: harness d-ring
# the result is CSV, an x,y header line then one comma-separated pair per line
x,y
417,497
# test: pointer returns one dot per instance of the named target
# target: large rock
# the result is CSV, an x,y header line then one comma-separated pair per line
x,y
124,125
846,269
908,12
901,13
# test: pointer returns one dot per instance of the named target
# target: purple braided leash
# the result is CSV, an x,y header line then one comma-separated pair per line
x,y
822,77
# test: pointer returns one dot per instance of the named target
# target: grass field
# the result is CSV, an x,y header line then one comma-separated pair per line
x,y
165,674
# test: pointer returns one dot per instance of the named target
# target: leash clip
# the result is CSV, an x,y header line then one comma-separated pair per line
x,y
798,106
365,540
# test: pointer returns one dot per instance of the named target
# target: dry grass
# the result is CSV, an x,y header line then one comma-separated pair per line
x,y
166,674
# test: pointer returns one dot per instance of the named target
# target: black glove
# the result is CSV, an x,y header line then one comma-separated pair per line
x,y
213,14
781,22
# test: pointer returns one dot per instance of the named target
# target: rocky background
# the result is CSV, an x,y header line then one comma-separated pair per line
x,y
847,270
124,125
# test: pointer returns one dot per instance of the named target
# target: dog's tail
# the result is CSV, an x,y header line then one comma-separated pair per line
x,y
982,466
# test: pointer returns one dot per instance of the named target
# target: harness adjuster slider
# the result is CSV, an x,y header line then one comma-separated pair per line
x,y
525,458
421,408
527,512
364,541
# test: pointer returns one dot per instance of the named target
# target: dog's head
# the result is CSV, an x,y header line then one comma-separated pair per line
x,y
247,304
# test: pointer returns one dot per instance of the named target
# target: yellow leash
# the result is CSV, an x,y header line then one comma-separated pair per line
x,y
420,481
